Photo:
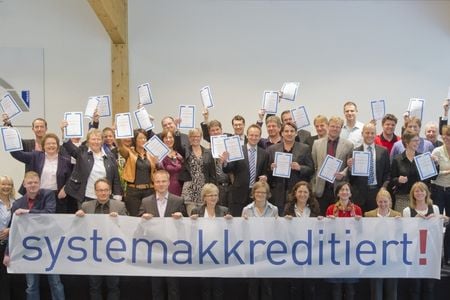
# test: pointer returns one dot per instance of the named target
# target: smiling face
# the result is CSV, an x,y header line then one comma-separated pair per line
x,y
321,128
344,193
253,136
51,146
389,127
350,113
95,142
238,127
413,144
383,202
368,134
31,185
169,124
420,195
260,195
161,183
273,130
431,133
5,187
102,191
302,194
288,134
169,140
108,137
39,128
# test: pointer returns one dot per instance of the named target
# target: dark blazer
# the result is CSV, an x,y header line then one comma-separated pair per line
x,y
28,145
241,173
310,141
360,183
209,166
174,204
382,168
220,211
76,185
35,162
302,136
45,203
114,206
314,206
401,166
301,153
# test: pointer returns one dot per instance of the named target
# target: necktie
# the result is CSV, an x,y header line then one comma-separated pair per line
x,y
371,177
252,165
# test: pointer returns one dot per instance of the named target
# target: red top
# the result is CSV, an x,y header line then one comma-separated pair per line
x,y
381,141
351,211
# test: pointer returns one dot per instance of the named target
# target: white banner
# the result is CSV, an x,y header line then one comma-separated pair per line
x,y
257,247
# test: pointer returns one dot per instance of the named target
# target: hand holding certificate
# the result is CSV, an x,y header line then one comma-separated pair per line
x,y
207,100
378,109
283,165
270,102
360,166
415,108
145,94
11,139
143,119
300,117
91,106
218,145
157,148
74,126
10,107
187,116
289,90
124,127
104,106
425,165
329,168
234,148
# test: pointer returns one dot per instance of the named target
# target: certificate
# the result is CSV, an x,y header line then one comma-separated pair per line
x,y
218,145
124,127
378,109
270,102
91,106
415,107
11,139
207,100
187,116
143,119
234,148
157,148
145,94
329,168
10,107
360,166
104,106
74,126
289,90
283,163
300,117
425,165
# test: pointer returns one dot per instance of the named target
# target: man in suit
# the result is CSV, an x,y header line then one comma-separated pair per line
x,y
37,201
103,205
302,166
163,204
246,171
365,188
334,146
181,139
302,134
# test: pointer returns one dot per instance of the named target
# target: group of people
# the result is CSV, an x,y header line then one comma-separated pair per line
x,y
105,176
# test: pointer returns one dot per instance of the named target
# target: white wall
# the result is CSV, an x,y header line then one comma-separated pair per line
x,y
338,50
358,50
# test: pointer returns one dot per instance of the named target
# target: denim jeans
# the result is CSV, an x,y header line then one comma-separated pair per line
x,y
56,287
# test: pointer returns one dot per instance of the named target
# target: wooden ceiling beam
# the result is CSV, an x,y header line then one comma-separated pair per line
x,y
113,14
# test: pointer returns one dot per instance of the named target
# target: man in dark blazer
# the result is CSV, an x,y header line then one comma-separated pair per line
x,y
163,204
240,169
103,205
302,166
37,201
364,192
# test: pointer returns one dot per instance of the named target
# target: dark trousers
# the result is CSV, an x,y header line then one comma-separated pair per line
x,y
224,194
326,199
236,203
133,199
159,288
212,288
302,288
441,197
5,282
421,289
259,288
112,285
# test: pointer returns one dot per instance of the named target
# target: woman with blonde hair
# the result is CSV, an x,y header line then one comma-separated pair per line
x,y
383,288
7,198
421,206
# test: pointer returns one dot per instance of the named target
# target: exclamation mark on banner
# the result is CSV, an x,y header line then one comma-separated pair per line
x,y
423,245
